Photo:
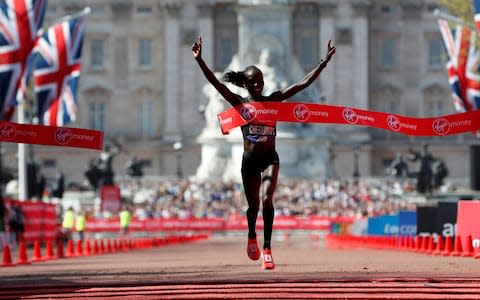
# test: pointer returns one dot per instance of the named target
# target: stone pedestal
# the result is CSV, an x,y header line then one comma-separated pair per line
x,y
264,41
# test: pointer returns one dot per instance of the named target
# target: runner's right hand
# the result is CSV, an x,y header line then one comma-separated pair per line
x,y
197,48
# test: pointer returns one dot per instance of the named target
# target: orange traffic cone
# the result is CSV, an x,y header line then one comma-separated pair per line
x,y
109,246
102,247
96,249
418,243
439,247
70,250
49,250
37,252
60,253
410,243
7,256
79,247
448,246
22,254
468,247
457,246
88,247
477,252
429,245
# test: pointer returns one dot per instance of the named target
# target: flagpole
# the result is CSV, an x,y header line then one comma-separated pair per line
x,y
22,170
448,17
85,11
22,161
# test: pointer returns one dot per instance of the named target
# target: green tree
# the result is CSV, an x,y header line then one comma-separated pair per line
x,y
462,9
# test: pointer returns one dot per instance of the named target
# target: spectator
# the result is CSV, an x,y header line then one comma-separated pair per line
x,y
68,223
3,239
16,222
125,219
80,224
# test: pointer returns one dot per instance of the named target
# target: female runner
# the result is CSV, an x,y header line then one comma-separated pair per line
x,y
260,162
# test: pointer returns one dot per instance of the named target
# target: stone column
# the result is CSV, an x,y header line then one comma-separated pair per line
x,y
409,61
360,53
205,26
193,79
327,32
171,41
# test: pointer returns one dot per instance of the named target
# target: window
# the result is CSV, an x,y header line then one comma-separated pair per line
x,y
145,53
307,52
387,9
51,10
98,10
49,163
435,108
388,53
226,51
145,118
97,54
435,53
144,10
97,116
385,106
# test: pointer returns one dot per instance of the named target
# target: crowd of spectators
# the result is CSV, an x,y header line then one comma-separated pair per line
x,y
188,198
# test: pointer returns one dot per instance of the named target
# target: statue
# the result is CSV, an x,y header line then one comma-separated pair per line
x,y
105,164
440,172
266,43
398,167
100,171
134,167
425,173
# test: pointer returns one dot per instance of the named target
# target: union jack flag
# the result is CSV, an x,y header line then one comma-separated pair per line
x,y
20,22
476,16
57,71
462,60
472,75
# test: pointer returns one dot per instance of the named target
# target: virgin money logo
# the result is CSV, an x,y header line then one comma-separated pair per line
x,y
441,126
63,136
248,112
350,116
301,112
394,123
7,131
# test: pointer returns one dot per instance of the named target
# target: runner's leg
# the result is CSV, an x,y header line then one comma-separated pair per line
x,y
269,181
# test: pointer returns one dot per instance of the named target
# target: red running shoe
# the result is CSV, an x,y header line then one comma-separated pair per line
x,y
267,260
252,249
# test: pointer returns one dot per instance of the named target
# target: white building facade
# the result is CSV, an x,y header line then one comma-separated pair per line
x,y
140,85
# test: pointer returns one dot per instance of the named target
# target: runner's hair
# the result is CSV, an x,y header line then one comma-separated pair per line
x,y
235,77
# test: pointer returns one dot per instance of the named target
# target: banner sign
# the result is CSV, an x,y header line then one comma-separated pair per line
x,y
110,197
468,222
426,219
321,113
50,135
407,223
446,218
384,225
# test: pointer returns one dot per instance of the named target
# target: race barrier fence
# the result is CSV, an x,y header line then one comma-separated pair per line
x,y
42,223
40,219
216,224
446,229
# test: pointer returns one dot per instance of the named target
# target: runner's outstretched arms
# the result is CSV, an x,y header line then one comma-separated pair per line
x,y
307,80
290,91
231,97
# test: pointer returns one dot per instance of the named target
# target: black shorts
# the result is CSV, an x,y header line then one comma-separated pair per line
x,y
257,163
